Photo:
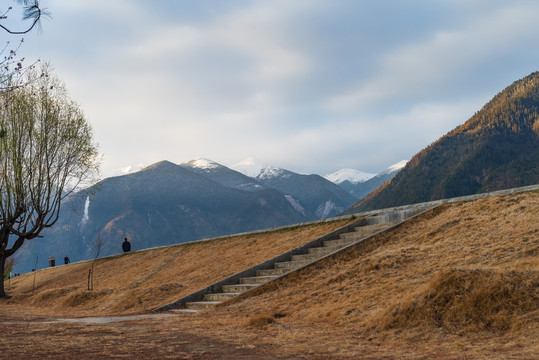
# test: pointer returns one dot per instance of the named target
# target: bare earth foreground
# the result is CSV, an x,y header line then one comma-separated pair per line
x,y
459,282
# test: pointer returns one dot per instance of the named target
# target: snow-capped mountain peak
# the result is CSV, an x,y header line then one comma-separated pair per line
x,y
351,175
270,172
203,163
128,169
395,167
255,169
249,167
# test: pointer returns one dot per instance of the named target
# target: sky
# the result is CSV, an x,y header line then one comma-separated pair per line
x,y
312,86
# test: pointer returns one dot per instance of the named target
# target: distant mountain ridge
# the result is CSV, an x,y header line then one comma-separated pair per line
x,y
353,183
497,148
159,205
314,193
351,175
166,203
222,174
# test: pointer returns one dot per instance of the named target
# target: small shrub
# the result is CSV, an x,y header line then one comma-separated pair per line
x,y
260,321
84,297
52,294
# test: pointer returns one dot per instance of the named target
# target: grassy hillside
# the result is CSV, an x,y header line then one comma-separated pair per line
x,y
144,280
461,281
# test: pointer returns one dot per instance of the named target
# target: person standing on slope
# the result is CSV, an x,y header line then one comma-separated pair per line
x,y
126,246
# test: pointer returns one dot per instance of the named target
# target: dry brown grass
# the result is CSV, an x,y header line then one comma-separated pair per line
x,y
467,301
459,276
141,281
459,282
260,321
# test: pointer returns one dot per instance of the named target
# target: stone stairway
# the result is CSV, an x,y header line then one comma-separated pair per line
x,y
368,224
293,262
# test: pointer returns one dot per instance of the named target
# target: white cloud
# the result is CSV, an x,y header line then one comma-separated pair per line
x,y
306,84
420,68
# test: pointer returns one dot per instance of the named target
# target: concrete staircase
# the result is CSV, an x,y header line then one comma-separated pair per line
x,y
284,264
368,224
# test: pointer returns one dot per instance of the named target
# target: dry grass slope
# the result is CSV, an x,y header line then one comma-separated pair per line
x,y
141,281
468,301
461,281
462,273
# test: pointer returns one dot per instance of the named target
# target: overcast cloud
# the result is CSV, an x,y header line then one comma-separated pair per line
x,y
308,85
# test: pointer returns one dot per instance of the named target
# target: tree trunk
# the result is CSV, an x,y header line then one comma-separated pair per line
x,y
2,264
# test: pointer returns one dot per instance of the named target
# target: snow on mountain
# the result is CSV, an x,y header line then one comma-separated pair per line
x,y
351,175
202,163
255,169
128,170
249,167
327,209
269,172
395,167
222,174
295,204
308,194
360,189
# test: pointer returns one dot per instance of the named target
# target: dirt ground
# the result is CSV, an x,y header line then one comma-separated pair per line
x,y
459,282
202,336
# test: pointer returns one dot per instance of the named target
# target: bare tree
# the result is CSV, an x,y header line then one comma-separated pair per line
x,y
12,69
98,245
12,72
47,152
32,12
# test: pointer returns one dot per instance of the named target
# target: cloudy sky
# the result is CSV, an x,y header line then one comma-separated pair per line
x,y
312,86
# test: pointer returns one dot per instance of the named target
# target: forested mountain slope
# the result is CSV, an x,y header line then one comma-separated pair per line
x,y
498,148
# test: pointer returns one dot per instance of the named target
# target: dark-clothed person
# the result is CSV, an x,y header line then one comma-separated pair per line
x,y
126,245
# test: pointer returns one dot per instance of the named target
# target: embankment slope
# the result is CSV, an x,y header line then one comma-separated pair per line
x,y
143,280
460,281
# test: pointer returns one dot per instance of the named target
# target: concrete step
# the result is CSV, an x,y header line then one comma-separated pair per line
x,y
323,250
201,305
353,236
266,272
377,219
238,288
258,279
185,311
305,257
375,227
364,231
292,264
220,296
361,232
338,243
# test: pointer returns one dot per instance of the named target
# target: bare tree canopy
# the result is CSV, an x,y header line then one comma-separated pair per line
x,y
11,66
46,153
32,11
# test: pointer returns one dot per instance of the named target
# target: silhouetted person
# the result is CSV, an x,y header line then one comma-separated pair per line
x,y
126,245
66,260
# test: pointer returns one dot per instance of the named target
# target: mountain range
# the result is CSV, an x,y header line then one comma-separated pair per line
x,y
168,203
497,148
311,194
360,184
